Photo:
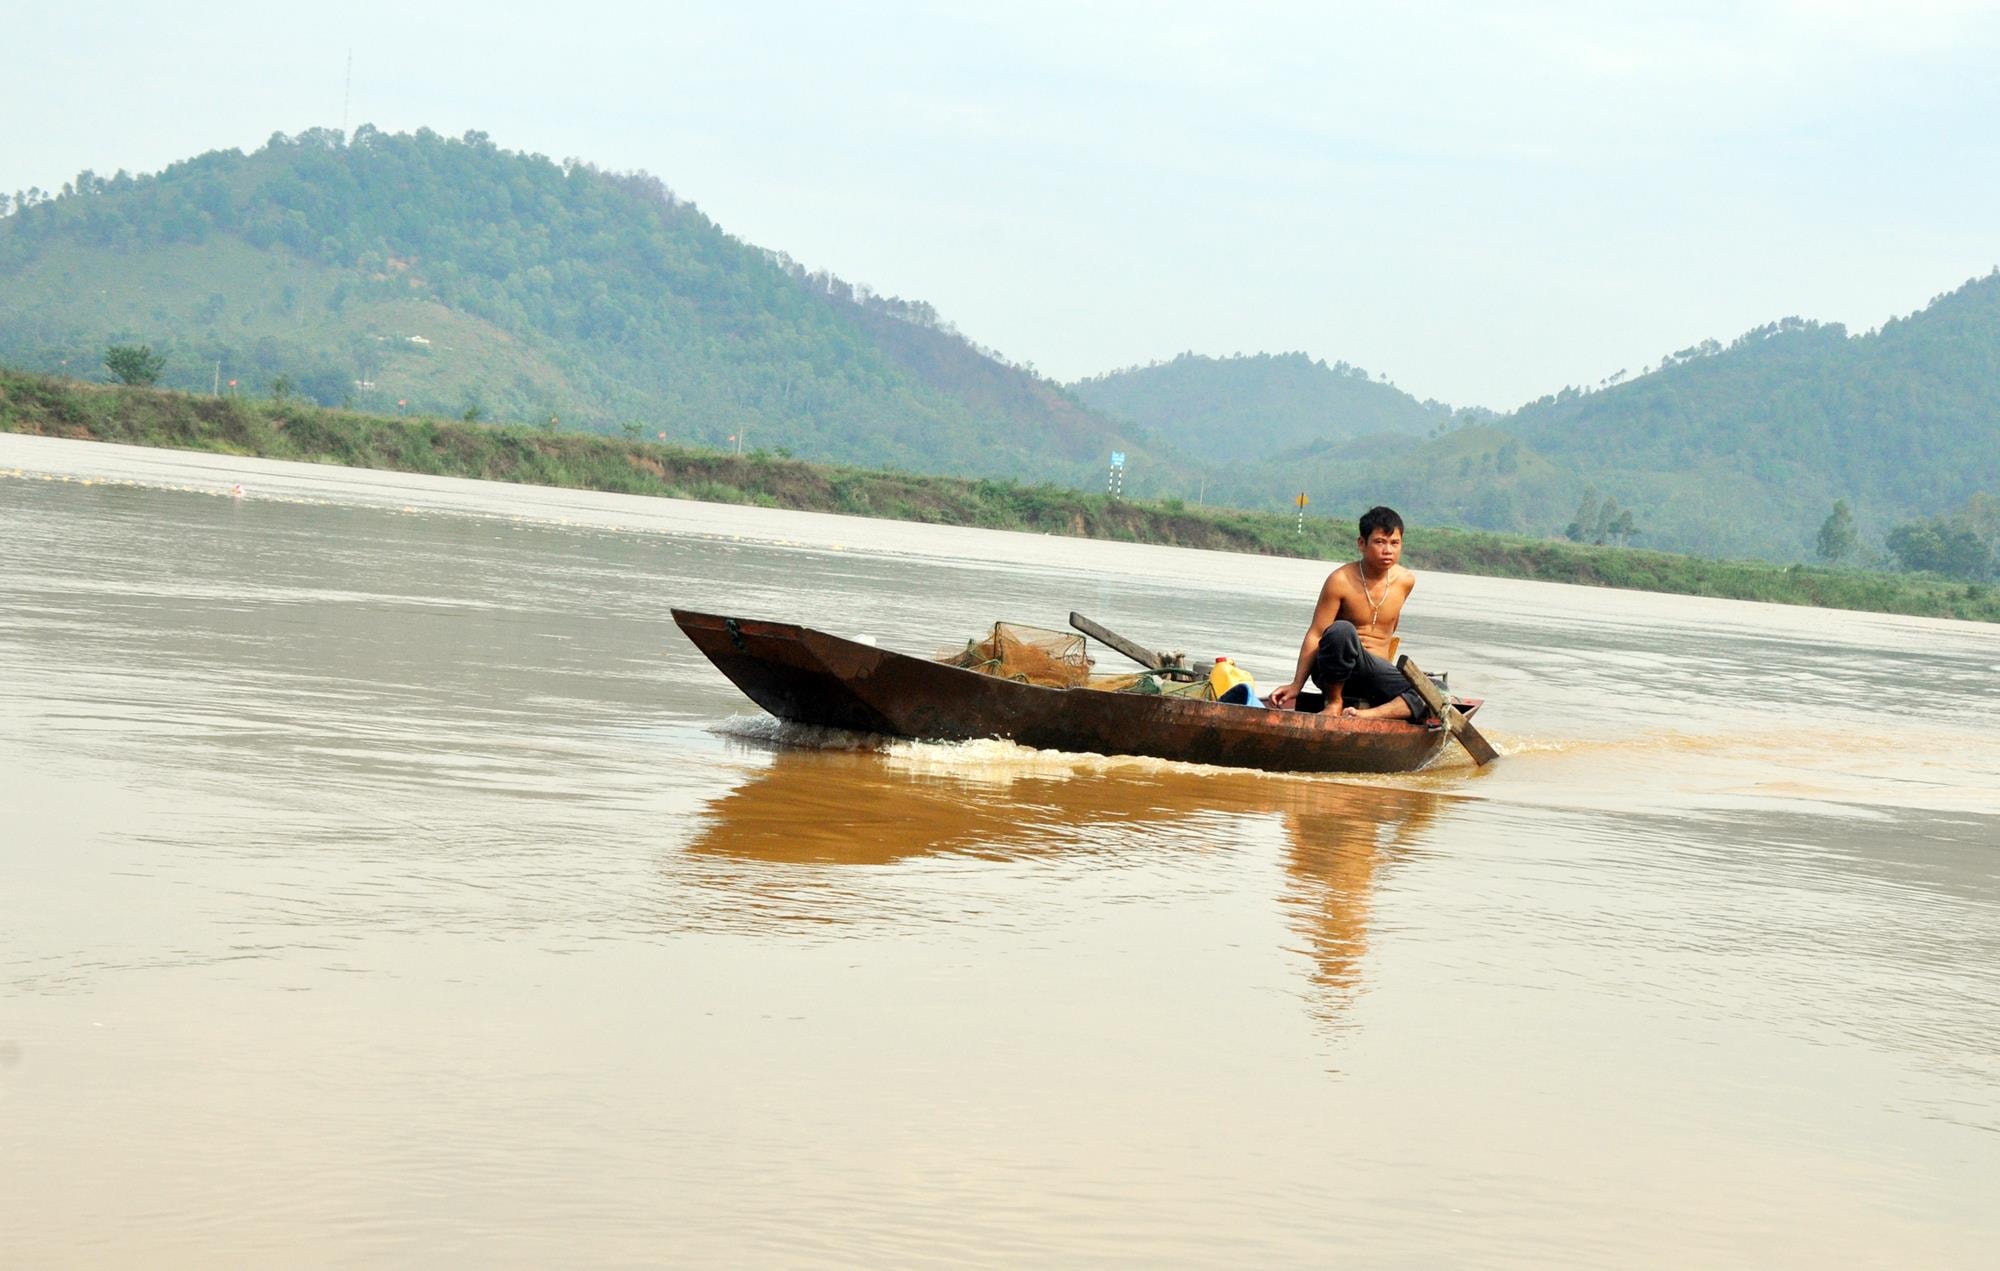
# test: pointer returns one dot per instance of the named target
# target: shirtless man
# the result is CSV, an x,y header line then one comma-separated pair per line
x,y
1346,648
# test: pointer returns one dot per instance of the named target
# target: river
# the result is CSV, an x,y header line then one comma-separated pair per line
x,y
384,880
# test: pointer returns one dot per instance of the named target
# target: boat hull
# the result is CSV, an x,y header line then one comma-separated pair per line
x,y
810,677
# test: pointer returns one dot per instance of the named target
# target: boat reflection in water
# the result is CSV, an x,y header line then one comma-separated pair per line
x,y
1338,839
811,811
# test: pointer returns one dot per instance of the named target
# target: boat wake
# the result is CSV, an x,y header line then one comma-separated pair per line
x,y
997,763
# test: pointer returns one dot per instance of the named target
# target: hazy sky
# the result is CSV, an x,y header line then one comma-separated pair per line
x,y
1485,201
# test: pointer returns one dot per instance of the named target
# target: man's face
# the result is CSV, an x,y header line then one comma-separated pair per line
x,y
1381,550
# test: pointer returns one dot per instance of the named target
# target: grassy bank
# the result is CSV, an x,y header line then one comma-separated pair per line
x,y
290,430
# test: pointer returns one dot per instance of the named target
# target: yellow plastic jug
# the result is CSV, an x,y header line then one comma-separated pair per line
x,y
1228,675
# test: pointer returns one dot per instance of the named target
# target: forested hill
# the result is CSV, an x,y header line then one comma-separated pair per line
x,y
454,277
1904,420
1737,449
1225,408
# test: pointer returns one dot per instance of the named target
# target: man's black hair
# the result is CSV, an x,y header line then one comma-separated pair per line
x,y
1380,518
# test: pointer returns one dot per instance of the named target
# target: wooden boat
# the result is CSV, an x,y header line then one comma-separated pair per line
x,y
810,677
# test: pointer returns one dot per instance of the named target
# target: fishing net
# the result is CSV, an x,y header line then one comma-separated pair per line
x,y
1151,683
1057,659
1052,659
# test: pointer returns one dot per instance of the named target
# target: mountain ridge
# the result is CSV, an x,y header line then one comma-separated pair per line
x,y
614,302
1737,449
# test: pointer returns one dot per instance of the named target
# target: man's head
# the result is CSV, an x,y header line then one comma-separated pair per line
x,y
1381,539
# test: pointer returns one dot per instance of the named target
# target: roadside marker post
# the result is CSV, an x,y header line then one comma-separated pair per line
x,y
1303,500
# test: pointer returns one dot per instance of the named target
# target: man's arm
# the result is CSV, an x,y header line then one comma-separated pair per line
x,y
1324,613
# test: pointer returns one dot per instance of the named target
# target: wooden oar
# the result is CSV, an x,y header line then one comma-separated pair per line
x,y
1478,747
1112,640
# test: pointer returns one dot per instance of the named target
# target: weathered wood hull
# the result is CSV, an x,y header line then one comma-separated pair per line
x,y
809,677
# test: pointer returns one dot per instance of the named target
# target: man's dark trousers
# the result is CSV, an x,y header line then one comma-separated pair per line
x,y
1362,678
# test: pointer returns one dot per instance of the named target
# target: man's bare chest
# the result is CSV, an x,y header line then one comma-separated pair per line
x,y
1373,609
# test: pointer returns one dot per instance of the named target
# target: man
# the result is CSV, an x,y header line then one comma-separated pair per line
x,y
1346,648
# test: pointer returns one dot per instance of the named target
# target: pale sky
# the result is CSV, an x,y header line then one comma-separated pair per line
x,y
1486,201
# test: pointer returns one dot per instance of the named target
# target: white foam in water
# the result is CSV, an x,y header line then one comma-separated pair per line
x,y
998,761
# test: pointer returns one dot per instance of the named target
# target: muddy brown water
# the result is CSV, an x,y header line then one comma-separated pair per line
x,y
383,880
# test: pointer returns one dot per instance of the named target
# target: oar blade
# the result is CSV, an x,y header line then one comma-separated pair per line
x,y
1478,747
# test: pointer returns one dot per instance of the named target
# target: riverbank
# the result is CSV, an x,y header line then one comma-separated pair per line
x,y
48,406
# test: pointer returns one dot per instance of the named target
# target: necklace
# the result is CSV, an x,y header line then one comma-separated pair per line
x,y
1374,602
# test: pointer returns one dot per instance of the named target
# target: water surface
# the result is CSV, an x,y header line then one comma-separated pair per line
x,y
383,879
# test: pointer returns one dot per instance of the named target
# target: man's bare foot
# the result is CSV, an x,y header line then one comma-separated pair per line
x,y
1393,708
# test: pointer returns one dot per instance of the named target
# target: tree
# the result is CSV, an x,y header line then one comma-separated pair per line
x,y
282,387
1836,534
1966,555
1949,547
328,385
1607,518
1585,523
1982,512
1623,527
1601,522
1916,546
134,363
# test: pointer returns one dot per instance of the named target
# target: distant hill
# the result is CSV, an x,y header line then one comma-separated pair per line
x,y
1721,442
1732,450
1258,406
453,276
